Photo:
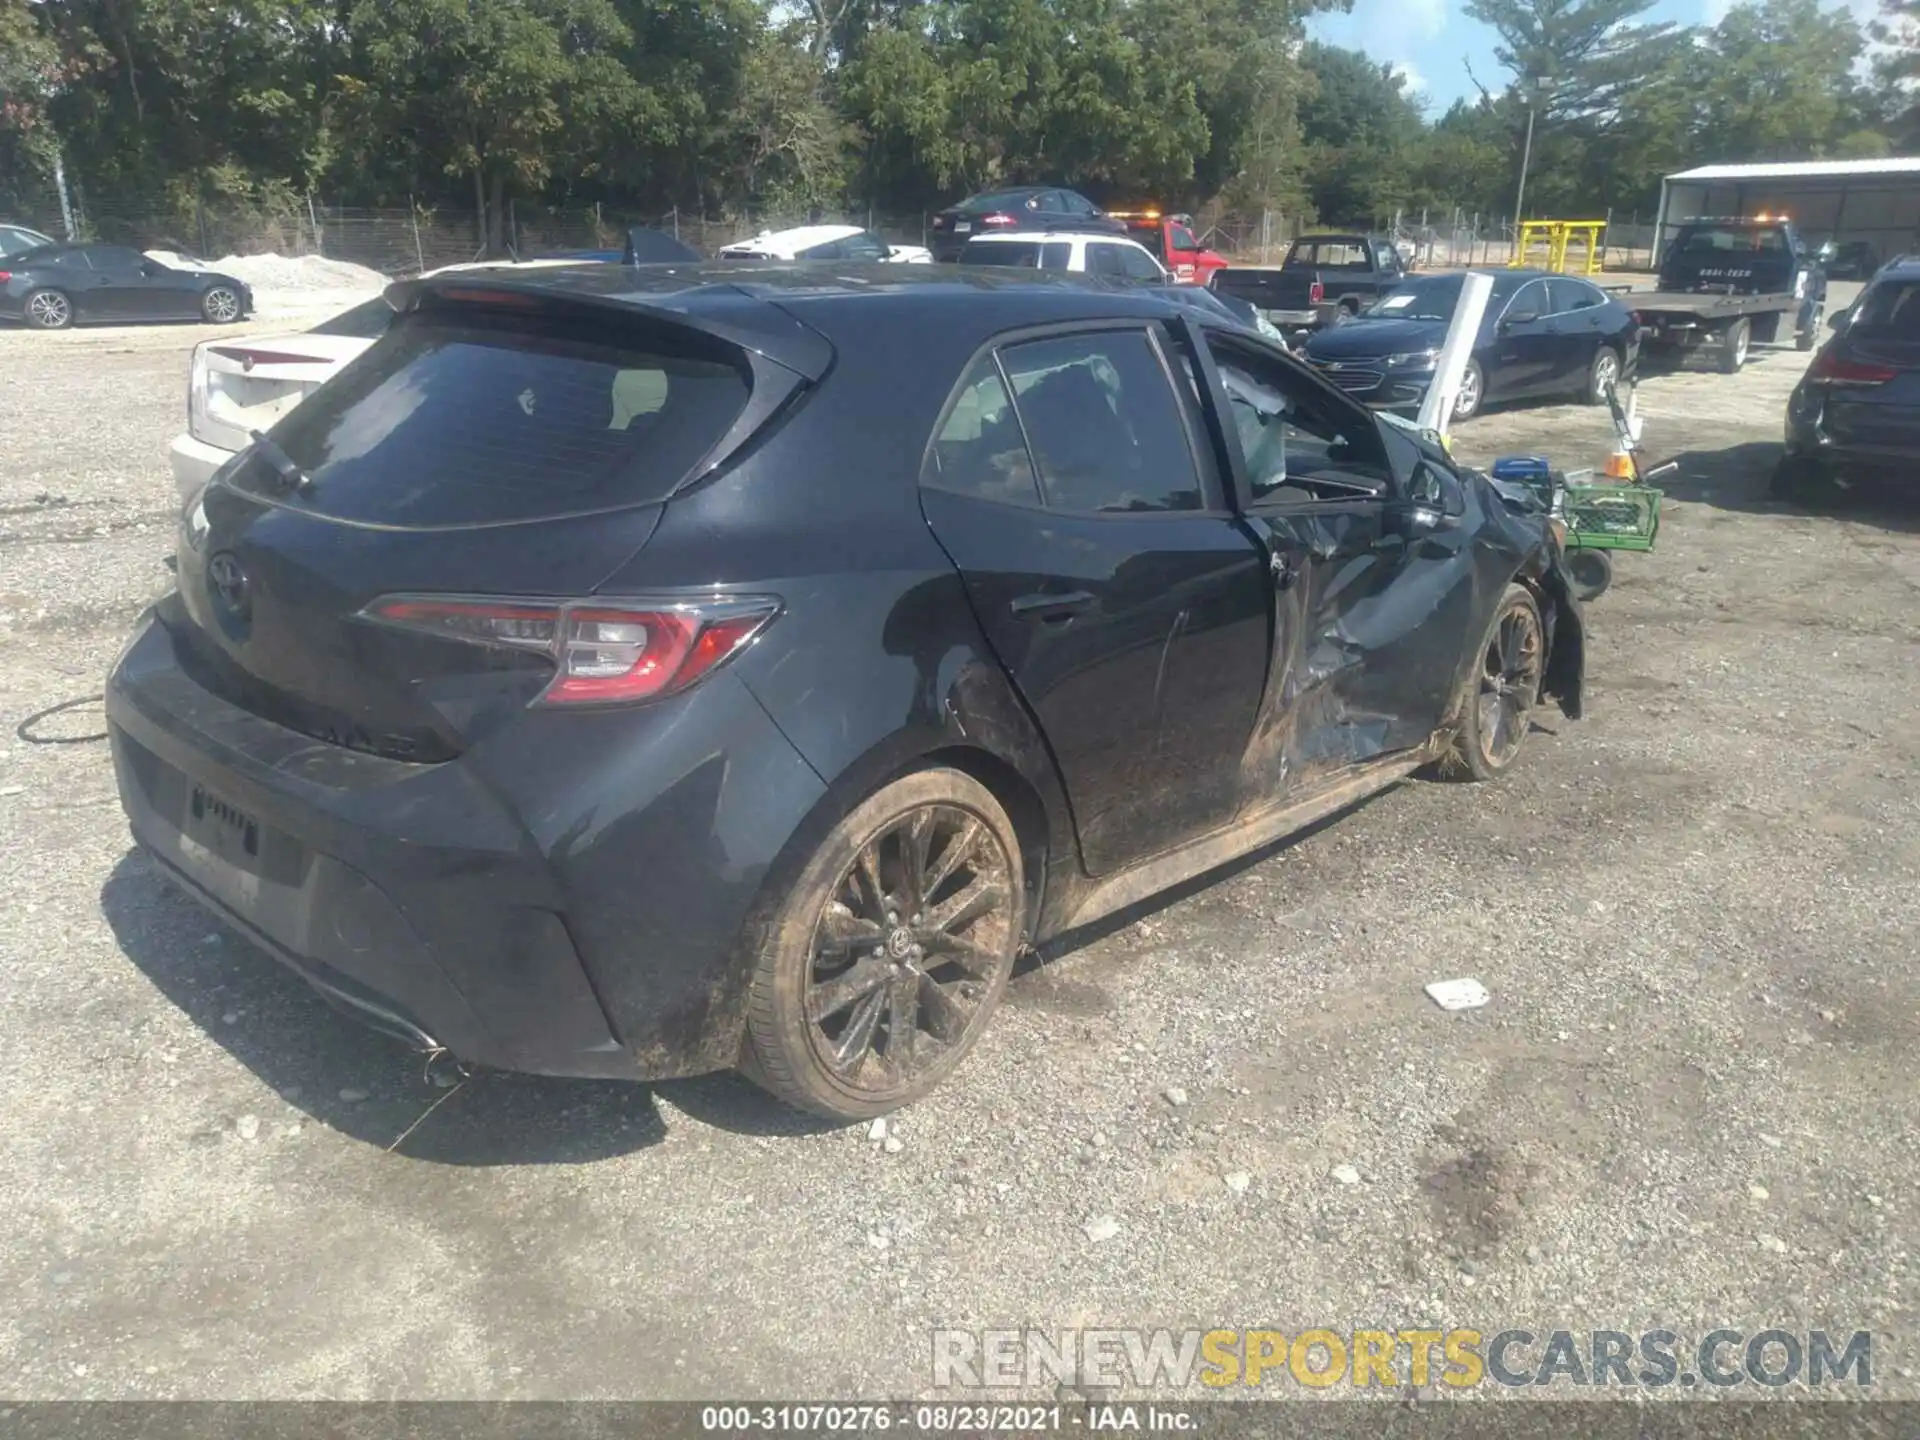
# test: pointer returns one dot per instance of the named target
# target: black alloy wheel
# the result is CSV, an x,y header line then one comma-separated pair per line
x,y
875,985
1495,709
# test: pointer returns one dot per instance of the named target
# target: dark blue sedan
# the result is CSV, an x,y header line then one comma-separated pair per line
x,y
1543,335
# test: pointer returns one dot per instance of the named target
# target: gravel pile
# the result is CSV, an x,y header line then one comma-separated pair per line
x,y
299,272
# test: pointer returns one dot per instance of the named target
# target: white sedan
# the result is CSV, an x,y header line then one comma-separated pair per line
x,y
824,242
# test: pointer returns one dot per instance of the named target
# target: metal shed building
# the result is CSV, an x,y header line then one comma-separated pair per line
x,y
1876,201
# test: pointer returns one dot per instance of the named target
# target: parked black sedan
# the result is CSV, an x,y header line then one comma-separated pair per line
x,y
1855,415
635,672
60,285
1025,207
1542,335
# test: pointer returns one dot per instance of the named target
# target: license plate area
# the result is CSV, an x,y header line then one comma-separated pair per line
x,y
219,826
962,227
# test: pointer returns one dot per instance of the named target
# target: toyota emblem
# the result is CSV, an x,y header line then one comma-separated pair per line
x,y
231,587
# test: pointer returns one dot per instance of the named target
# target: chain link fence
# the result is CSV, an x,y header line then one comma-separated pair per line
x,y
1459,240
403,241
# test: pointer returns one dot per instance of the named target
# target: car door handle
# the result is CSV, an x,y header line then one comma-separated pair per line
x,y
1283,570
1052,608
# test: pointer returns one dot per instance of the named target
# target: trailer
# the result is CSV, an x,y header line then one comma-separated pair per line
x,y
1676,322
1726,284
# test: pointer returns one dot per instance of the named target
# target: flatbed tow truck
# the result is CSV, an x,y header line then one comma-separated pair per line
x,y
1728,283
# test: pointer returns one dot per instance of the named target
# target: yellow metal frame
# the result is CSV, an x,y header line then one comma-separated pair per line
x,y
1558,236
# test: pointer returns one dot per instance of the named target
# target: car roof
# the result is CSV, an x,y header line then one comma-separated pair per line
x,y
1902,267
789,310
1039,237
798,238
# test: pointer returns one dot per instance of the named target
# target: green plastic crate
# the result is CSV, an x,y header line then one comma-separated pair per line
x,y
1612,517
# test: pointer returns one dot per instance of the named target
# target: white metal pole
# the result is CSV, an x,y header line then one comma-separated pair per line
x,y
1526,154
1436,410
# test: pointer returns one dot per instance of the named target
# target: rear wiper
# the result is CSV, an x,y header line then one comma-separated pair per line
x,y
291,475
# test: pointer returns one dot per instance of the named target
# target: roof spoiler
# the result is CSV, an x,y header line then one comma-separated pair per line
x,y
655,247
763,330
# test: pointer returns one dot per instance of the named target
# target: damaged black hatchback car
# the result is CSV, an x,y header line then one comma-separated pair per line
x,y
627,674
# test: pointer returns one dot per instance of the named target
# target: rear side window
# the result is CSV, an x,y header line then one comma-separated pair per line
x,y
864,246
1105,260
115,257
1137,264
980,450
1569,295
454,420
1105,428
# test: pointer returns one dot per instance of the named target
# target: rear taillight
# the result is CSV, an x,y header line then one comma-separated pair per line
x,y
1316,292
197,394
5,275
998,220
1829,368
602,653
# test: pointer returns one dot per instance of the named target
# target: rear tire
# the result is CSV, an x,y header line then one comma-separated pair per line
x,y
1602,375
1592,573
1808,335
48,310
882,965
1496,701
220,306
1473,392
1733,346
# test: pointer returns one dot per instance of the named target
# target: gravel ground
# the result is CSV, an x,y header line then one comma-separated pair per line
x,y
1689,1103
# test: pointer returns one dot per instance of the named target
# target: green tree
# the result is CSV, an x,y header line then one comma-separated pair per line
x,y
29,75
1775,80
507,93
1362,135
1897,66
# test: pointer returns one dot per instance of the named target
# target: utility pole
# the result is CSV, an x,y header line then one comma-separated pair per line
x,y
1536,88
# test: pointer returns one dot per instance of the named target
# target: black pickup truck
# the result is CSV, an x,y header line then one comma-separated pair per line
x,y
1324,280
1729,283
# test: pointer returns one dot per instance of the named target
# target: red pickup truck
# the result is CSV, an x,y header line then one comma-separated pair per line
x,y
1170,238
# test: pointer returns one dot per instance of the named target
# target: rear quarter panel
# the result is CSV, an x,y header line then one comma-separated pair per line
x,y
876,662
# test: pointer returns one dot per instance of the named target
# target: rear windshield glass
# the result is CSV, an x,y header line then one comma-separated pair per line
x,y
996,200
456,421
1888,312
1003,252
367,321
1329,254
1731,239
1027,254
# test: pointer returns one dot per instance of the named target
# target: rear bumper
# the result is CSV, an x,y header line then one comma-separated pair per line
x,y
945,246
193,462
1865,438
593,940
